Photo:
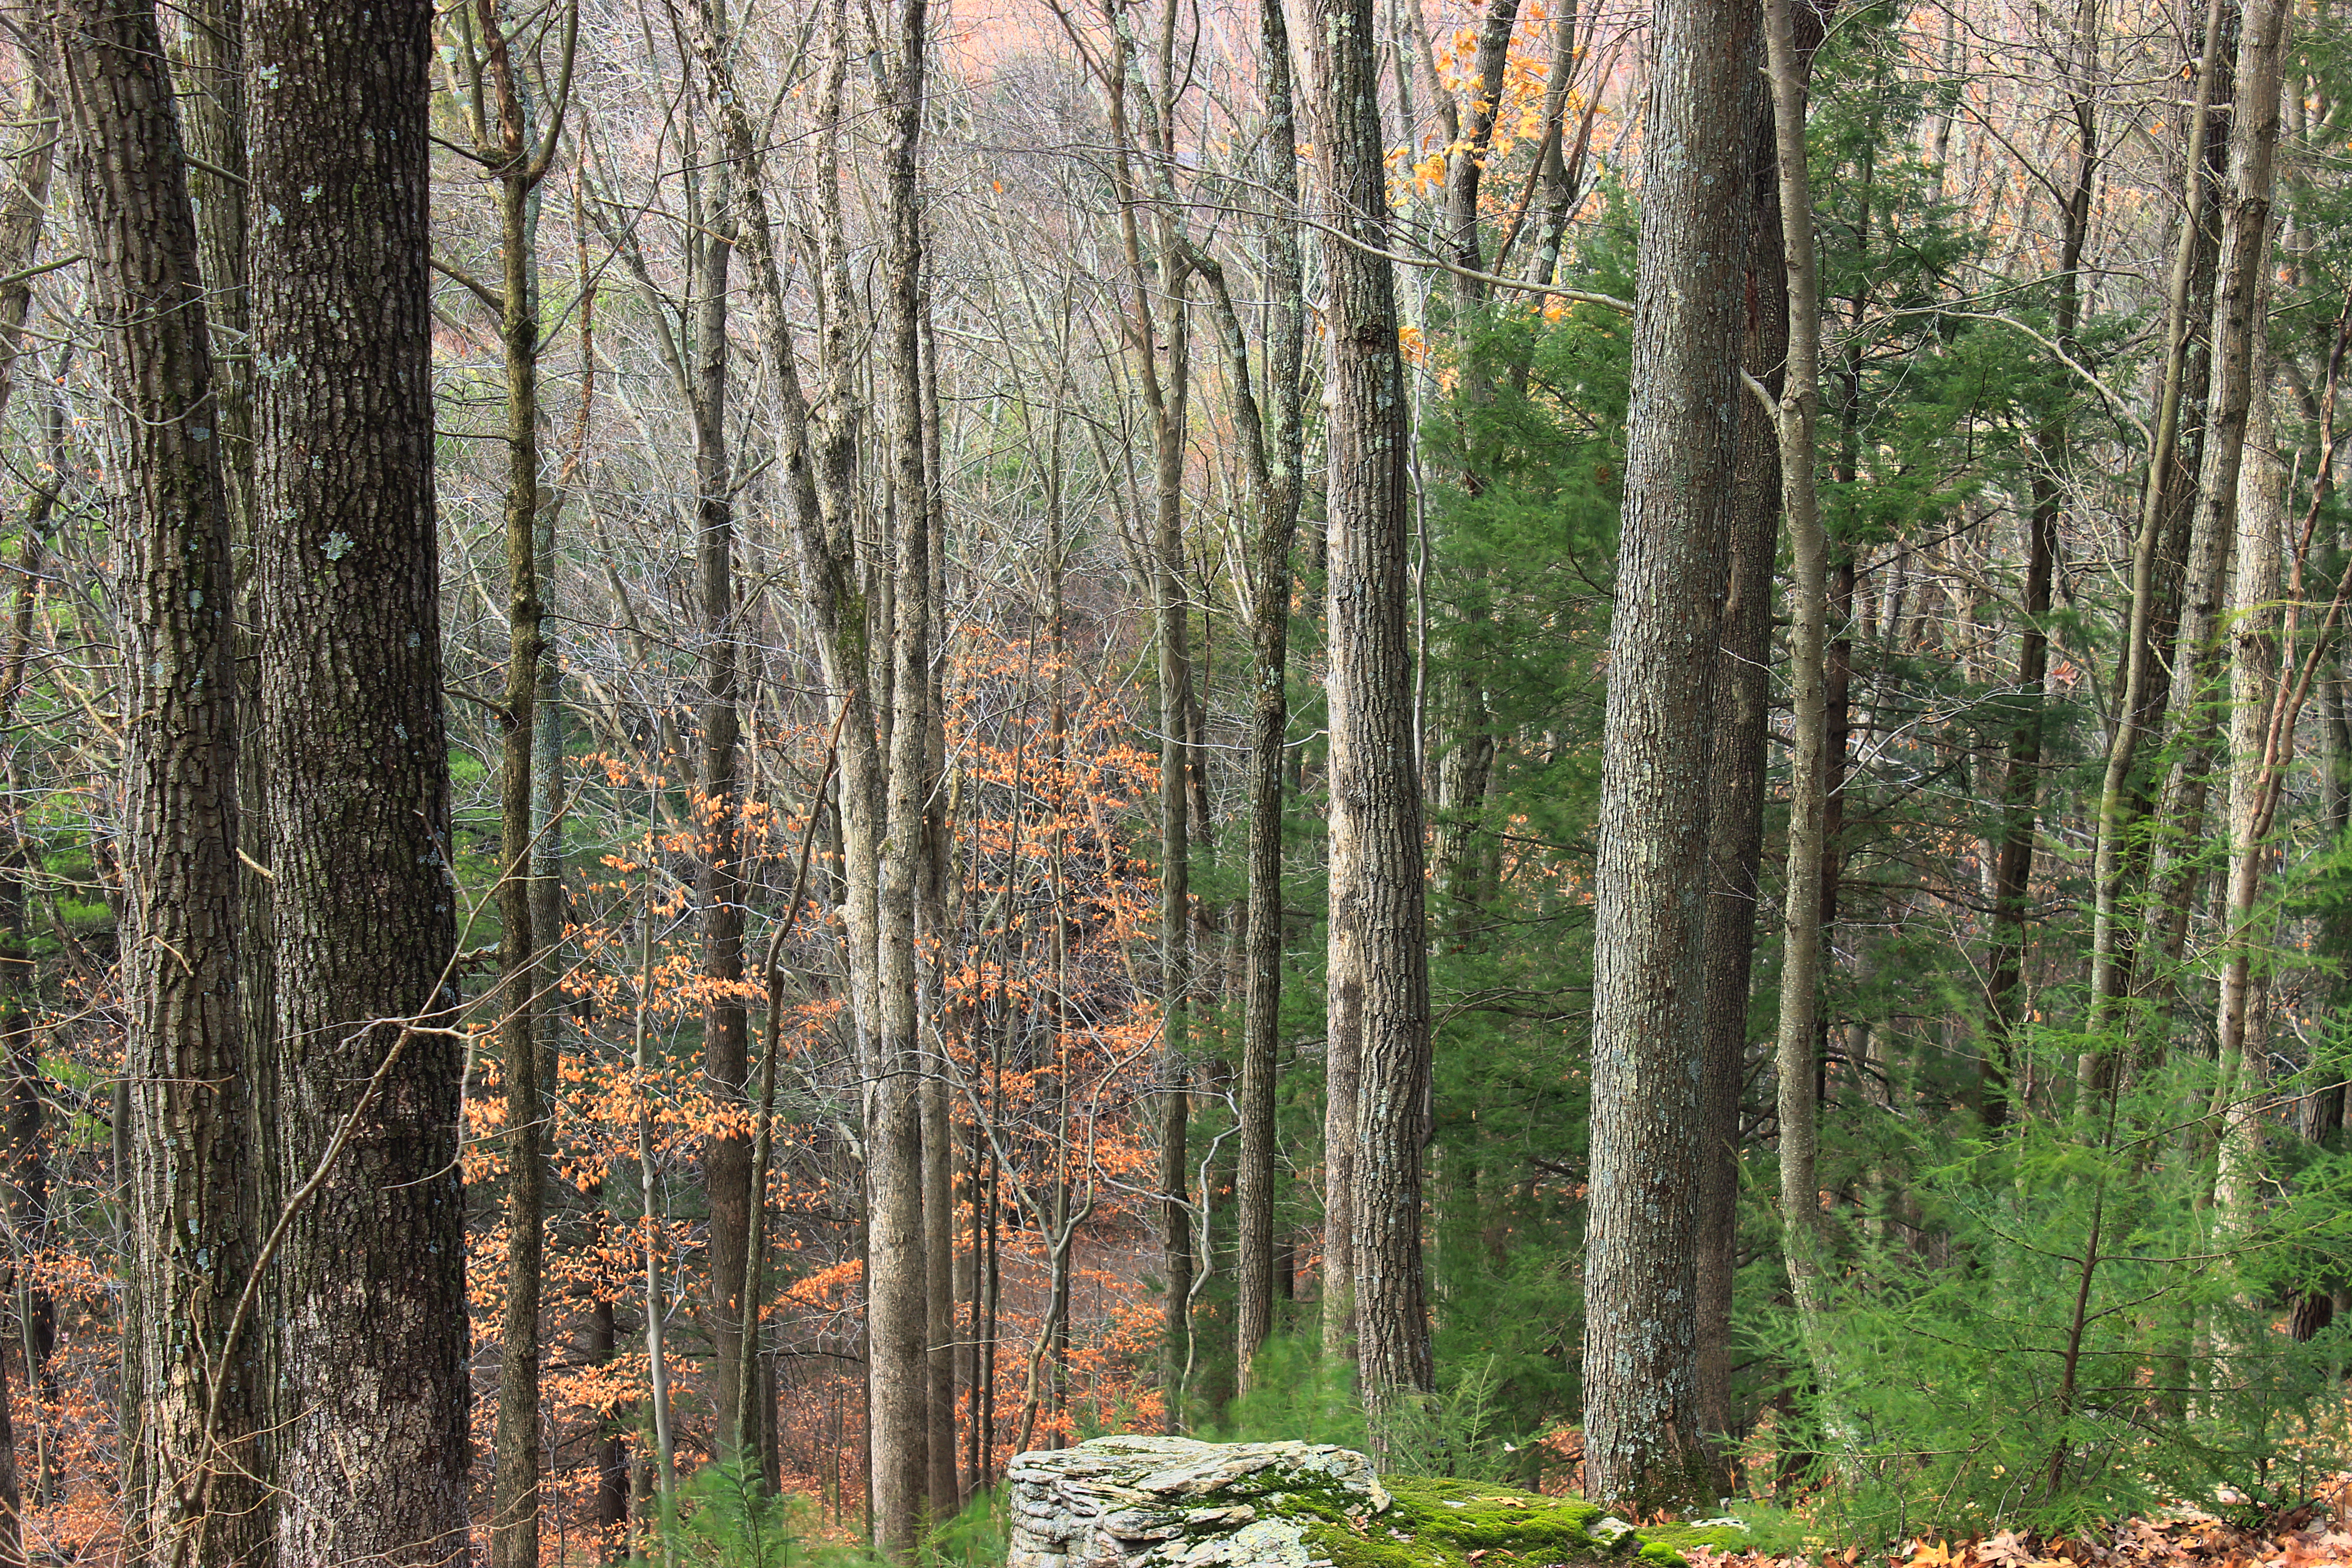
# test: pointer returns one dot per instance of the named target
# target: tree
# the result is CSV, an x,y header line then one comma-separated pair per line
x,y
190,1370
1277,496
1642,1433
518,153
1379,1033
900,1313
370,1306
1810,774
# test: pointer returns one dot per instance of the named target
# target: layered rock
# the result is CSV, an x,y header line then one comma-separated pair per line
x,y
1171,1502
1146,1502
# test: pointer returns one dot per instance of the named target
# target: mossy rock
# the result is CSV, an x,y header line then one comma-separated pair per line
x,y
1151,1501
1438,1524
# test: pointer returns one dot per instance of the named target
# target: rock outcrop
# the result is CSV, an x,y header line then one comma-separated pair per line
x,y
1143,1501
1171,1502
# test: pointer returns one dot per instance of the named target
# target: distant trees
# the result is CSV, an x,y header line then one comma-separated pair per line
x,y
756,708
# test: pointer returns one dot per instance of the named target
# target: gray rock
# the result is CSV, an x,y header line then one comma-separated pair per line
x,y
1171,1502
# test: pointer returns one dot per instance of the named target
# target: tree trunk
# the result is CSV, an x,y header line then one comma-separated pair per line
x,y
900,1301
727,1153
2262,720
371,1311
1804,914
2111,857
1172,604
1736,760
514,147
23,216
194,1392
1379,960
1643,1441
1277,526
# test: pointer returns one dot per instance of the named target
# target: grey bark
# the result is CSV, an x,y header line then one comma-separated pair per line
x,y
1640,1416
371,1312
1378,1007
193,1392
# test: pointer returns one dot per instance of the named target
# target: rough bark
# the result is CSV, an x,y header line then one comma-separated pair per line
x,y
370,1315
192,1391
1379,960
1641,1419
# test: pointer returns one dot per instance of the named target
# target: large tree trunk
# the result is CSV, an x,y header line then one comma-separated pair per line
x,y
1277,525
1641,1413
191,1378
371,1309
1379,960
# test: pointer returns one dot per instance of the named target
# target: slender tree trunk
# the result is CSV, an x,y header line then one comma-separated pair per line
x,y
1742,710
938,832
1643,1441
659,1429
191,1376
23,214
2254,625
1378,959
1172,603
1277,526
2260,717
1464,753
513,148
899,1302
727,1153
2111,855
371,1312
1797,1049
611,1449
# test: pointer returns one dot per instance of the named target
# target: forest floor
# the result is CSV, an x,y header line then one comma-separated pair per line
x,y
2314,1531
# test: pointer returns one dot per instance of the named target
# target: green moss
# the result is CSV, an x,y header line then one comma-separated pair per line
x,y
1437,1523
1680,1538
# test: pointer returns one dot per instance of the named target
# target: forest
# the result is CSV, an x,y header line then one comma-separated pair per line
x,y
758,750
